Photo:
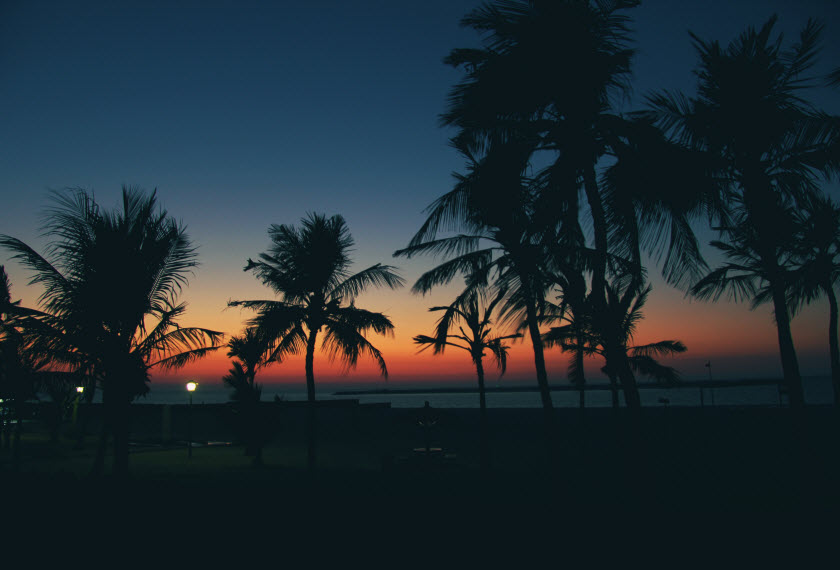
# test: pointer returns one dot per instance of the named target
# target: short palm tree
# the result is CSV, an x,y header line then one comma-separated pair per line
x,y
309,268
572,337
16,384
250,350
111,281
475,341
817,273
626,305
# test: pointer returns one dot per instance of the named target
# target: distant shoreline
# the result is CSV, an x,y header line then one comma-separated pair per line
x,y
566,388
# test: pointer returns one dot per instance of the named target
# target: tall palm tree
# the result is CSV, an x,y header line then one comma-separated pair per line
x,y
250,350
309,268
770,145
111,281
817,273
475,341
549,74
753,273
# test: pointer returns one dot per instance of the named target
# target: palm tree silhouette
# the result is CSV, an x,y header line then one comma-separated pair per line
x,y
250,350
475,341
769,146
308,267
546,79
16,366
111,281
817,272
626,306
504,242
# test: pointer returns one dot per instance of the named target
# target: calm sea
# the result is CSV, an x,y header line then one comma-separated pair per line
x,y
818,390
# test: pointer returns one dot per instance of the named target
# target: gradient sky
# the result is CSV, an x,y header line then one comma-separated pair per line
x,y
246,114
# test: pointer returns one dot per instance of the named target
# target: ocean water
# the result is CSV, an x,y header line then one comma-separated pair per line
x,y
818,390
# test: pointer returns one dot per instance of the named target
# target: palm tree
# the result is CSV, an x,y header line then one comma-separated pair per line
x,y
753,273
250,350
572,337
817,258
475,342
308,267
769,143
111,281
16,384
504,241
548,76
626,305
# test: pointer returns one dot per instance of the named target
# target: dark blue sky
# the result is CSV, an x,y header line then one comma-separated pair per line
x,y
244,114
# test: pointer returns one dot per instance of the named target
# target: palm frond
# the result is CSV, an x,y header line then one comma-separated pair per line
x,y
661,348
647,366
375,276
344,342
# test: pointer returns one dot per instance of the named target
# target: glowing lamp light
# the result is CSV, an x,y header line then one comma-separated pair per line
x,y
80,389
191,386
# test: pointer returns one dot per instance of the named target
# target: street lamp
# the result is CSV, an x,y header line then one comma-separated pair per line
x,y
79,391
79,429
191,386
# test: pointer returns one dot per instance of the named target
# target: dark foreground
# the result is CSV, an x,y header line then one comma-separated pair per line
x,y
685,462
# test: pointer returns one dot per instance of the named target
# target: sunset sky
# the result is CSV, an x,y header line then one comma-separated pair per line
x,y
246,114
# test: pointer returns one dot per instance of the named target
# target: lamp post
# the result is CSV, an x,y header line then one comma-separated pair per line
x,y
79,391
191,386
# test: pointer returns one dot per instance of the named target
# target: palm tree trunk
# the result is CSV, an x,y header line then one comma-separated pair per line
x,y
614,389
542,382
757,193
107,428
310,398
628,382
482,404
615,357
833,345
121,429
790,365
599,225
539,359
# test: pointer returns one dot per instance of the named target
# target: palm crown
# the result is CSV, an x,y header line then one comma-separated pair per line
x,y
309,269
111,281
